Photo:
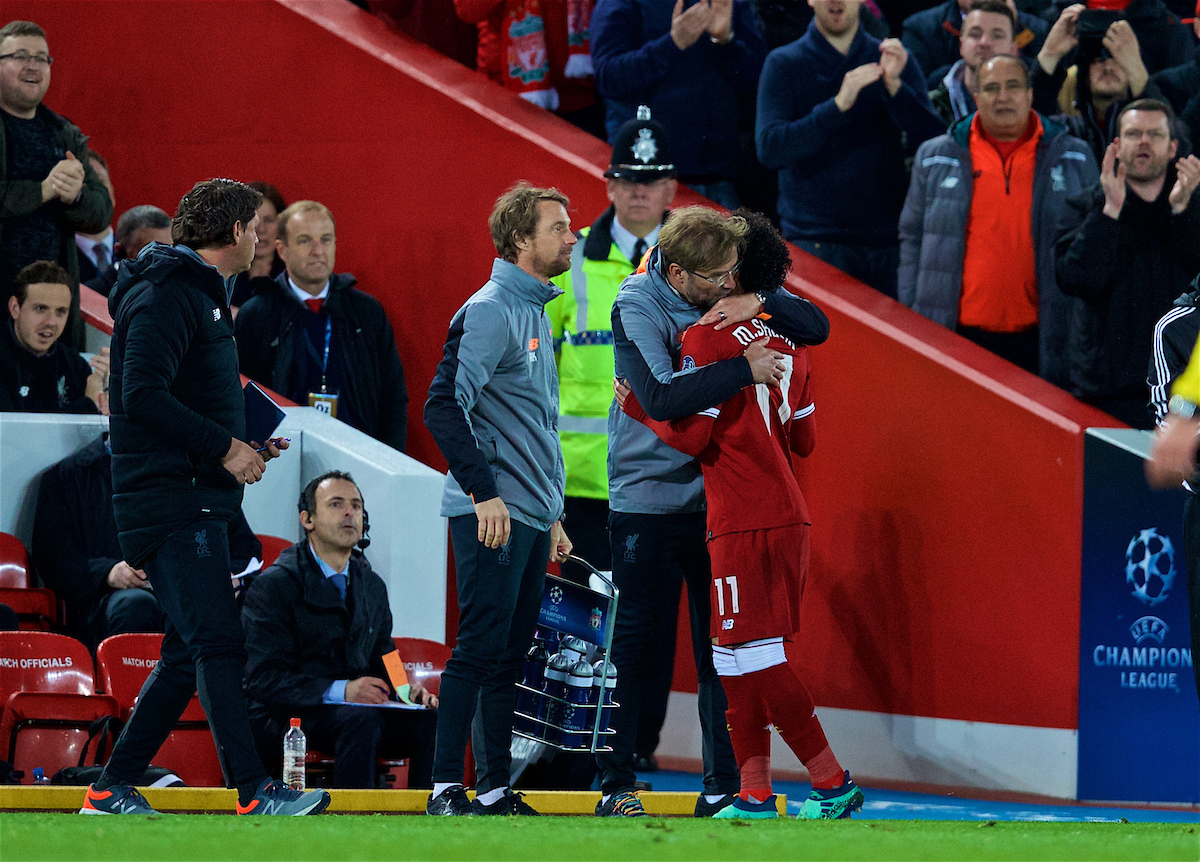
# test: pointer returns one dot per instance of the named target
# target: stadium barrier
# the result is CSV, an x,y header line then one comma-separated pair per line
x,y
942,621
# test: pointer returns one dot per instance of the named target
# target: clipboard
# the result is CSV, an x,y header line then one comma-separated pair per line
x,y
262,414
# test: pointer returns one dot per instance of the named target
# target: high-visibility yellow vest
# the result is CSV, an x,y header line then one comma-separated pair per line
x,y
581,320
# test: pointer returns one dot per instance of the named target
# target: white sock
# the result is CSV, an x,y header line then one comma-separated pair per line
x,y
713,798
604,799
439,789
492,796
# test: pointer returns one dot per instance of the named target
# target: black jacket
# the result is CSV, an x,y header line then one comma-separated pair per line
x,y
91,213
1174,339
1126,272
932,38
270,342
54,383
75,542
176,398
301,636
1162,40
1180,85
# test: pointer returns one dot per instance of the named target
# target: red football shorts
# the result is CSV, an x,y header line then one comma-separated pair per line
x,y
758,578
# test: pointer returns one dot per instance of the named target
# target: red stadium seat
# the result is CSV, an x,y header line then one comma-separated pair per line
x,y
424,660
48,692
272,546
36,608
14,562
124,662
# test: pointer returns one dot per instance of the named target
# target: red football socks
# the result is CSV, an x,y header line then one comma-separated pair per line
x,y
790,708
751,737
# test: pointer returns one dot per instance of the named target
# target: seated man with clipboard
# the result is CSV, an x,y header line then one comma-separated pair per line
x,y
319,644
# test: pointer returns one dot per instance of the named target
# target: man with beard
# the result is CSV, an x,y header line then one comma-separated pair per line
x,y
47,182
1129,246
1110,73
493,412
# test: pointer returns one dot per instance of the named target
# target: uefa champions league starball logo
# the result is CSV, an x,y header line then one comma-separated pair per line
x,y
556,595
1150,567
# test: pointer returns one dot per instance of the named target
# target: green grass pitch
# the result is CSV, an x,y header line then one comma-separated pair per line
x,y
179,838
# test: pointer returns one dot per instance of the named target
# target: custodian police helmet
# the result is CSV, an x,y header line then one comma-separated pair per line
x,y
641,153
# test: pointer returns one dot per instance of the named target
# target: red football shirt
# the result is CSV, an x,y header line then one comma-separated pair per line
x,y
744,445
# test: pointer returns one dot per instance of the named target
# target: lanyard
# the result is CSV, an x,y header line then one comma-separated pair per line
x,y
312,350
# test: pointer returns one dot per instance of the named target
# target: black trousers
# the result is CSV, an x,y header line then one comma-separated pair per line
x,y
499,594
356,737
1191,549
652,556
204,650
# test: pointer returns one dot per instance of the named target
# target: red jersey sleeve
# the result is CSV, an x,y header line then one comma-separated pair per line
x,y
803,434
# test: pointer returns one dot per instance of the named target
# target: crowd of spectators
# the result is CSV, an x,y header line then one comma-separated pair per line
x,y
1020,173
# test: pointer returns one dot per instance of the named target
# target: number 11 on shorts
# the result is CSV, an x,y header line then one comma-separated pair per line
x,y
733,594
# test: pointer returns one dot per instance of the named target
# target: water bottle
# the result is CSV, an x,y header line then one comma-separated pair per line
x,y
550,637
604,698
574,712
574,647
557,671
533,676
40,776
295,747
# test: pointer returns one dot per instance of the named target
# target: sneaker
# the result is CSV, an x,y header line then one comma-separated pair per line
x,y
451,802
508,804
835,804
276,798
704,808
118,799
740,809
623,804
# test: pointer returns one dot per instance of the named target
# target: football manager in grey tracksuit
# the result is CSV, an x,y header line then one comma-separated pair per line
x,y
657,527
493,412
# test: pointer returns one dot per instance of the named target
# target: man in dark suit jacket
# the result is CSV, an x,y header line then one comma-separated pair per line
x,y
317,625
316,339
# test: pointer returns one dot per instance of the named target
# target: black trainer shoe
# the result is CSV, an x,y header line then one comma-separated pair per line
x,y
704,808
508,804
623,804
117,799
451,802
276,798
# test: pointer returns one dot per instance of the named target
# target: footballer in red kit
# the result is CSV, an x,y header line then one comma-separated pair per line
x,y
758,540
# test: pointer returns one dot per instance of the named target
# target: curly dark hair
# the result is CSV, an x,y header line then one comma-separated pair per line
x,y
766,261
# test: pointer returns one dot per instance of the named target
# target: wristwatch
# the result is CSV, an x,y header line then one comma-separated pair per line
x,y
762,301
1180,406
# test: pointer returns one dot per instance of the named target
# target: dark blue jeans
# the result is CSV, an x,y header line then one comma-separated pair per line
x,y
203,650
499,595
653,555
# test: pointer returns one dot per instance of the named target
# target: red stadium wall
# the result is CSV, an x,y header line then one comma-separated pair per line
x,y
946,486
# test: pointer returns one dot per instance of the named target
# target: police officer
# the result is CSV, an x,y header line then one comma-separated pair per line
x,y
641,184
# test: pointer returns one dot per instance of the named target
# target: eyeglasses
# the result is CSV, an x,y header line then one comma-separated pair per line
x,y
24,58
719,279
